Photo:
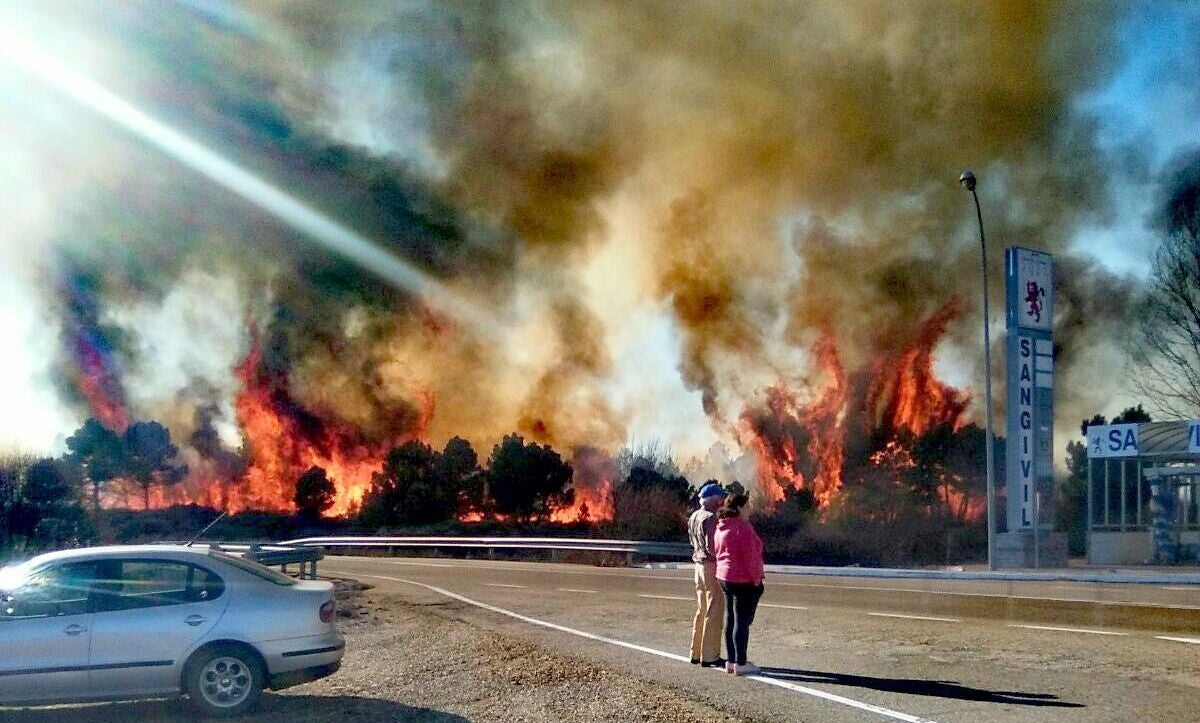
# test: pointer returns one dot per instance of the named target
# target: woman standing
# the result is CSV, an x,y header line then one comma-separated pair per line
x,y
739,552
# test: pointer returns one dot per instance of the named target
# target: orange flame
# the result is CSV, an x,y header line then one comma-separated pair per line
x,y
280,450
803,445
817,427
111,412
591,505
913,397
960,504
281,444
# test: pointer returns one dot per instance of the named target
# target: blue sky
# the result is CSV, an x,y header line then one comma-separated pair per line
x,y
1151,104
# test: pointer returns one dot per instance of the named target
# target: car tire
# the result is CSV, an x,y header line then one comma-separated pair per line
x,y
224,681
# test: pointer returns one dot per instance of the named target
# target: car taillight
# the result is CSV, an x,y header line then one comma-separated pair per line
x,y
327,611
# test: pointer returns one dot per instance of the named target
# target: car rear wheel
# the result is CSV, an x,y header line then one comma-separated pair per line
x,y
224,681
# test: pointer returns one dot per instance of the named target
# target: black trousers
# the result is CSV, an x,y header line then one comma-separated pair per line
x,y
741,601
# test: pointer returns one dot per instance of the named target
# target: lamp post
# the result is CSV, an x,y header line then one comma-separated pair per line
x,y
967,179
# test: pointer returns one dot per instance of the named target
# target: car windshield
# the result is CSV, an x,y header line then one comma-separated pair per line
x,y
254,568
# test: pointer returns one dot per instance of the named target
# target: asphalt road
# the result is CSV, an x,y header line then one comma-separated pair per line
x,y
848,649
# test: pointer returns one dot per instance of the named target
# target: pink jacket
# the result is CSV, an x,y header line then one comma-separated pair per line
x,y
739,551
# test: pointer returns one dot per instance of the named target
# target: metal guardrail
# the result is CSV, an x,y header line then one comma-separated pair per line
x,y
306,551
637,547
309,550
274,555
511,543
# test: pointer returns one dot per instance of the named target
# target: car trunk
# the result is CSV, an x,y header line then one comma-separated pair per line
x,y
295,610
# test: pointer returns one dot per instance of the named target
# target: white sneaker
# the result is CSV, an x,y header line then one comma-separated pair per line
x,y
747,669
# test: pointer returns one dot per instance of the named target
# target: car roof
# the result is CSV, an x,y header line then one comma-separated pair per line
x,y
110,551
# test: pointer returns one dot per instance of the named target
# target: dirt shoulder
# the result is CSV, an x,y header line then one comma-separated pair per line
x,y
422,655
418,663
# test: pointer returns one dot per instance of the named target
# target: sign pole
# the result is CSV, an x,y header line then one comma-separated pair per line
x,y
967,179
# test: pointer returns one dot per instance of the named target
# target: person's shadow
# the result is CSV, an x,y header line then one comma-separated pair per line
x,y
291,708
916,686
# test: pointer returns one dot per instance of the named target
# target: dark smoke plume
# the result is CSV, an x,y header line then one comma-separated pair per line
x,y
789,170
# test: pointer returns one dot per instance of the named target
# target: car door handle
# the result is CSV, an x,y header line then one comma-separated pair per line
x,y
74,629
194,620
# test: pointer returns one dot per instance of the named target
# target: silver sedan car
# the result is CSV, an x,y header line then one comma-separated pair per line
x,y
113,623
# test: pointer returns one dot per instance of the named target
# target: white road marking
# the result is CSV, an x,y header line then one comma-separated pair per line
x,y
1193,641
786,607
1194,588
1066,630
669,597
573,589
915,617
850,702
500,584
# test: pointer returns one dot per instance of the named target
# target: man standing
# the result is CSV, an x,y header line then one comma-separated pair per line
x,y
710,601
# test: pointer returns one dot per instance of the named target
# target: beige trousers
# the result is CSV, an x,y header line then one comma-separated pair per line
x,y
710,613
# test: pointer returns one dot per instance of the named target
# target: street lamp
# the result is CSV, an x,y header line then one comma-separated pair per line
x,y
967,179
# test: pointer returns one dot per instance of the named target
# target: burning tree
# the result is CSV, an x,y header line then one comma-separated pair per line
x,y
407,490
887,445
315,493
99,453
458,467
528,480
143,455
418,485
151,458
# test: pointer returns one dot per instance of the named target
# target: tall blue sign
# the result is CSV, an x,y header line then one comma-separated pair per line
x,y
1029,291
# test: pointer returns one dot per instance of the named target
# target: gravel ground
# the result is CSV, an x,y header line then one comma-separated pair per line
x,y
419,663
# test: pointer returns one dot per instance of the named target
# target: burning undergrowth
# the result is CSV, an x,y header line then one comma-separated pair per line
x,y
866,427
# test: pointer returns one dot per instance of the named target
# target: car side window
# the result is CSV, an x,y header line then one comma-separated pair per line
x,y
135,584
53,591
205,585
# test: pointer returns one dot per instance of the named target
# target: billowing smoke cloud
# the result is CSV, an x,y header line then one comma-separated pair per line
x,y
853,119
790,167
226,464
